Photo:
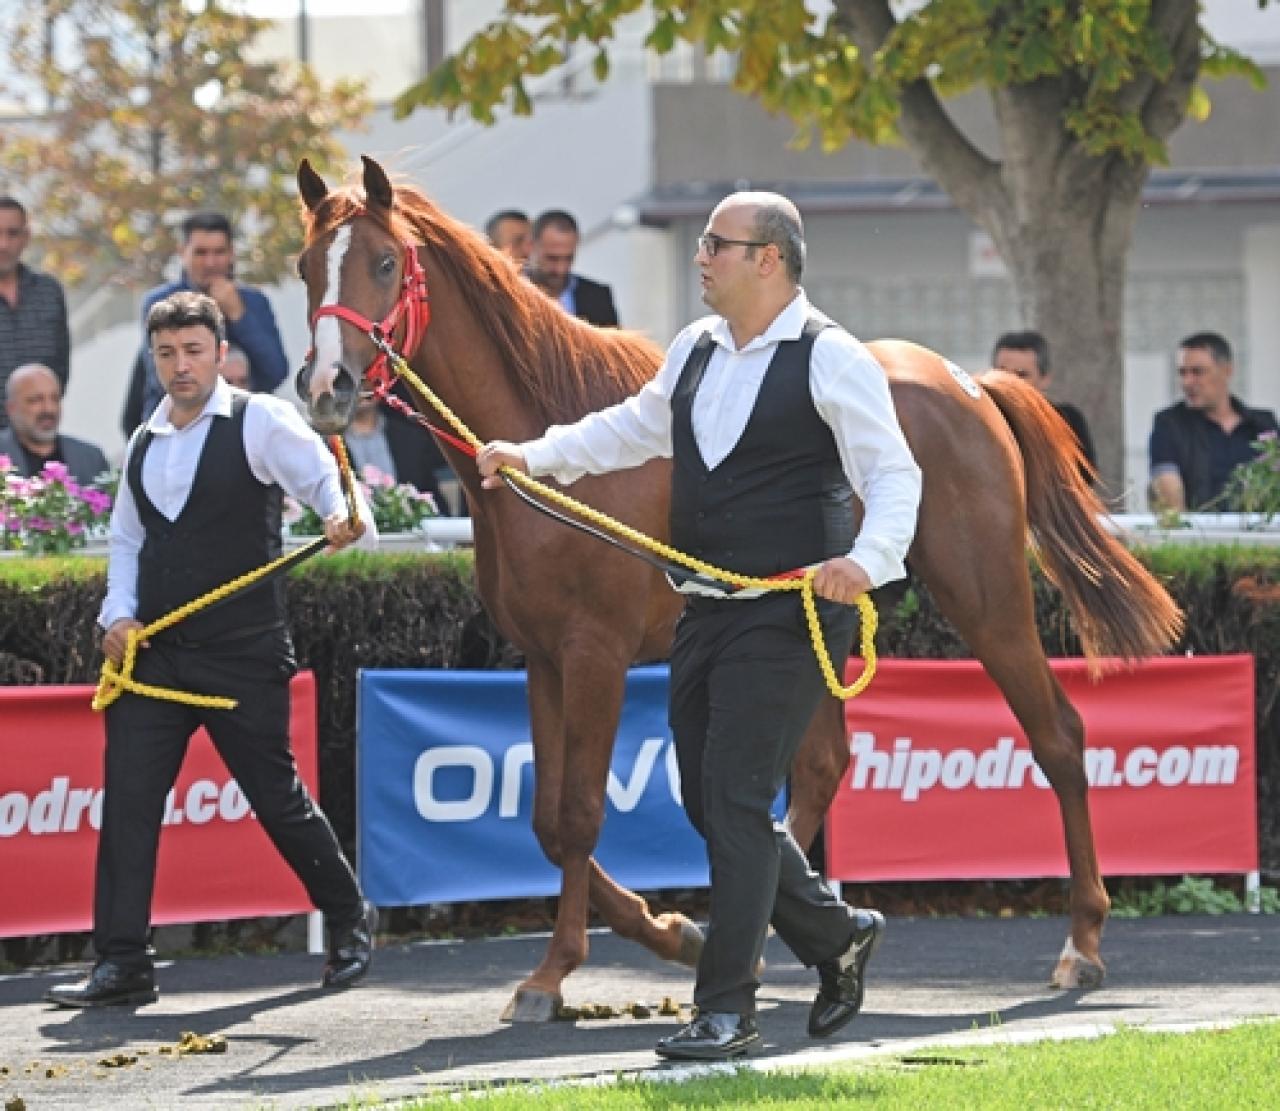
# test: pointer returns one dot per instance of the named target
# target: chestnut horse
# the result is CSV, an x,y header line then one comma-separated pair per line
x,y
999,466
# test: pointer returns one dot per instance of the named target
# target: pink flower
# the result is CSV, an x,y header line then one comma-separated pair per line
x,y
6,464
55,471
375,477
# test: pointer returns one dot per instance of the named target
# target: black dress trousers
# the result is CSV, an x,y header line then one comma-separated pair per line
x,y
146,741
744,686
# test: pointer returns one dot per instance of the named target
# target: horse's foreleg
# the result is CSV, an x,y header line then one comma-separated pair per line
x,y
538,998
575,715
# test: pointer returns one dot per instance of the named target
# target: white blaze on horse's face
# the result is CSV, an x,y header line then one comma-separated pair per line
x,y
328,338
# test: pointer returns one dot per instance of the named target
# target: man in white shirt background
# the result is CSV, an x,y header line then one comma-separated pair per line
x,y
774,418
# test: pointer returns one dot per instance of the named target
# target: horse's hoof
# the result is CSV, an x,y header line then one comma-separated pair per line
x,y
1076,972
532,1005
691,942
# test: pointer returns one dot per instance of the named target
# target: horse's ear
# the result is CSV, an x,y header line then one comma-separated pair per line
x,y
378,192
311,185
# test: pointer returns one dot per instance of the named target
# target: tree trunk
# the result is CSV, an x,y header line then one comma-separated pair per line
x,y
1067,252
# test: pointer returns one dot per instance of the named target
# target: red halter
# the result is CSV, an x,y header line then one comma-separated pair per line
x,y
413,308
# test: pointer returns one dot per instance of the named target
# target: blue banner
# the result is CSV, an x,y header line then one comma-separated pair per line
x,y
445,791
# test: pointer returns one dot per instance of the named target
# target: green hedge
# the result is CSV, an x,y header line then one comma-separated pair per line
x,y
356,610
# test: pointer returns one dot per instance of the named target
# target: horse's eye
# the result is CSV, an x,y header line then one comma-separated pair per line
x,y
387,265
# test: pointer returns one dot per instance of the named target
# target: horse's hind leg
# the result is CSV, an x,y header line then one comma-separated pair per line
x,y
986,594
671,936
816,771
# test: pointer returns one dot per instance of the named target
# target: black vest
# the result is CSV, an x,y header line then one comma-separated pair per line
x,y
229,525
780,499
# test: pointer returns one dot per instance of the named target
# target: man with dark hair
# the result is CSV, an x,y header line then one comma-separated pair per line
x,y
1026,354
511,233
33,307
772,416
199,504
555,245
208,266
33,403
1197,443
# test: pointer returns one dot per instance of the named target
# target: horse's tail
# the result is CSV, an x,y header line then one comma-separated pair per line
x,y
1118,607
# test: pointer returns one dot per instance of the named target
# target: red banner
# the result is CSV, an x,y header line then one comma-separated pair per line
x,y
942,785
215,860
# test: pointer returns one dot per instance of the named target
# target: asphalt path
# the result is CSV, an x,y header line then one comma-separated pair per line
x,y
427,1017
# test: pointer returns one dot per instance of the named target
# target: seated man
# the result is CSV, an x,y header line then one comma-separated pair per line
x,y
34,407
1026,354
235,368
391,443
1197,443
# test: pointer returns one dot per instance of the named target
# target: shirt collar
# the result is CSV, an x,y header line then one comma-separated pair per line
x,y
218,405
787,325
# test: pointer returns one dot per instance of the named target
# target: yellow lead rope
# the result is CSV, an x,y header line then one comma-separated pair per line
x,y
804,584
113,681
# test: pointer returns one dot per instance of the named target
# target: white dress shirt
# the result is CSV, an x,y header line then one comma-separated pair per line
x,y
850,392
281,449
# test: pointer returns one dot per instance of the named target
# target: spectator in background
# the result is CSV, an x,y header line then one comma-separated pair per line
x,y
392,444
512,233
33,308
235,368
208,266
1197,443
33,404
555,245
1026,354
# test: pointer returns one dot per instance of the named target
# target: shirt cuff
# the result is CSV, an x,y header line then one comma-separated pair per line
x,y
540,457
880,564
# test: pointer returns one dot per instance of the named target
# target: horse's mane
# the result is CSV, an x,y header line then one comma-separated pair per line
x,y
563,367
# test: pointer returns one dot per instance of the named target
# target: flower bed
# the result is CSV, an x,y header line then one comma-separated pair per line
x,y
51,513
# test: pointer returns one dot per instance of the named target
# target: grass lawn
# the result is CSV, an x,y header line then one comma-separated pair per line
x,y
1232,1068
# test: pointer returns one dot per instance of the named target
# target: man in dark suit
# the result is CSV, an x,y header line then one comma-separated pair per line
x,y
555,244
33,403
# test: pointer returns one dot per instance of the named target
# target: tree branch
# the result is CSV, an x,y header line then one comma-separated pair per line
x,y
969,176
1165,106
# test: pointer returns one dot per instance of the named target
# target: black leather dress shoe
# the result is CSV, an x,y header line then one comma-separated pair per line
x,y
351,949
843,978
712,1036
108,985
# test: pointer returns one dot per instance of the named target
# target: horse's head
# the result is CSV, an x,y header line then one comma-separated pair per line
x,y
366,293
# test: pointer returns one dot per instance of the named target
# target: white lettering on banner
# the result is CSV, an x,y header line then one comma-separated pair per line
x,y
61,808
513,765
912,771
627,798
624,795
452,810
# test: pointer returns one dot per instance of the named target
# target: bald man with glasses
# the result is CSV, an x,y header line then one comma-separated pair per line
x,y
773,417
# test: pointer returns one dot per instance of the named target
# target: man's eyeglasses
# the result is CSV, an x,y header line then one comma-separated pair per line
x,y
711,243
